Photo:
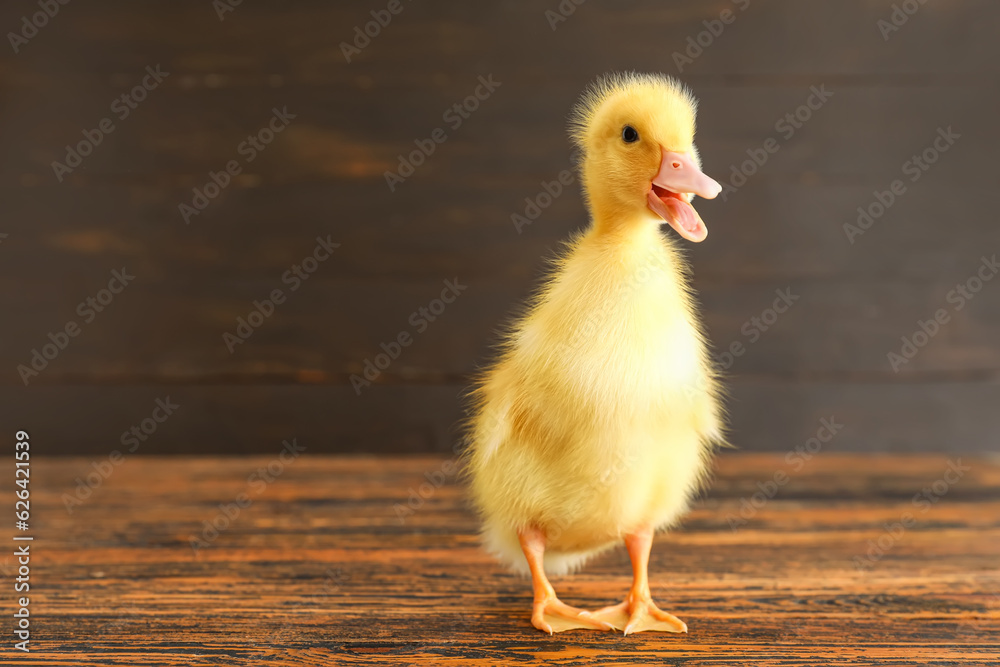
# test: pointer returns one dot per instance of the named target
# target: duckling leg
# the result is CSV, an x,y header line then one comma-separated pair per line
x,y
638,612
549,614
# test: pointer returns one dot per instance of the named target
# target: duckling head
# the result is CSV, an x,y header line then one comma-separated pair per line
x,y
639,164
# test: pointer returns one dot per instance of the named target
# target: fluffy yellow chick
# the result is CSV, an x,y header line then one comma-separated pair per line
x,y
596,424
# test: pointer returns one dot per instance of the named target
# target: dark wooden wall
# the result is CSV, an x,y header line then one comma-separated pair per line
x,y
323,176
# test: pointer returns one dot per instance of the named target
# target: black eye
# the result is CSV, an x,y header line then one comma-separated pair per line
x,y
629,135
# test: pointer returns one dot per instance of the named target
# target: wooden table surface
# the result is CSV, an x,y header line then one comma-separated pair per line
x,y
322,568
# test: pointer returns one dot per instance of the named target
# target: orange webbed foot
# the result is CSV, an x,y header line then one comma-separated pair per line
x,y
640,614
551,615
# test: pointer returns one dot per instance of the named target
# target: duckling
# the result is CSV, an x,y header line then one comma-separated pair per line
x,y
596,423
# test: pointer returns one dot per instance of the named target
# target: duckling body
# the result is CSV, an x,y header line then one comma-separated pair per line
x,y
596,424
603,404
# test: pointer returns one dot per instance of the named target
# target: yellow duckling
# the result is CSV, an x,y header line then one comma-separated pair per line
x,y
596,424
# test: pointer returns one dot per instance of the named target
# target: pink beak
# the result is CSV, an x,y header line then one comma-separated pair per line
x,y
679,176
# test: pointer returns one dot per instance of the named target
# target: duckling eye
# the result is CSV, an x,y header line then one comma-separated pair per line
x,y
629,135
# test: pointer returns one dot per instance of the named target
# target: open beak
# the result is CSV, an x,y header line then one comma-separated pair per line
x,y
671,189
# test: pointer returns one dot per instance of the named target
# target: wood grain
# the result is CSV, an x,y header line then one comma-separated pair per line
x,y
319,570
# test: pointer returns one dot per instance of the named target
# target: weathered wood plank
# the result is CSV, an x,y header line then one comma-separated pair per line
x,y
318,570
